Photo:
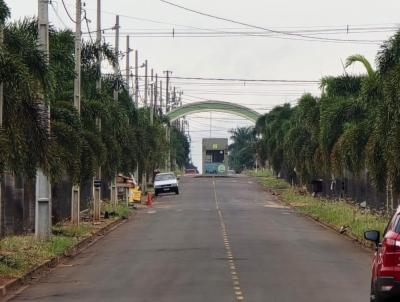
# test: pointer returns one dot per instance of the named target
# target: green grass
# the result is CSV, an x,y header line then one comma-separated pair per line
x,y
335,213
259,173
19,254
119,210
83,230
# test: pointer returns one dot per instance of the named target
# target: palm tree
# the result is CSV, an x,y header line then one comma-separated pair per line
x,y
242,150
23,72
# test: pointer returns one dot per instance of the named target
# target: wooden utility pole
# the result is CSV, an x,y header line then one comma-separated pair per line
x,y
43,186
75,197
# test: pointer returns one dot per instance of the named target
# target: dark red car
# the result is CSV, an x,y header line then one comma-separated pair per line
x,y
385,283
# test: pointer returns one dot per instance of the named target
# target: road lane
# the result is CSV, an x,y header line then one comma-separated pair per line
x,y
220,240
286,257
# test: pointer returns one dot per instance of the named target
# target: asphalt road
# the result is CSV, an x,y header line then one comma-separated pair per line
x,y
220,240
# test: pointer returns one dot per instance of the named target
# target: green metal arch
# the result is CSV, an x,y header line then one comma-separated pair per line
x,y
217,106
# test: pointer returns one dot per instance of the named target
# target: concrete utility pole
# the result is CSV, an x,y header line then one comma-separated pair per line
x,y
1,126
127,65
98,42
136,80
146,83
161,94
75,198
137,102
151,98
97,186
168,139
114,197
43,186
173,98
167,92
155,94
116,66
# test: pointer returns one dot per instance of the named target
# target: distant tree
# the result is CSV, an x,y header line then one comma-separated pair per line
x,y
242,149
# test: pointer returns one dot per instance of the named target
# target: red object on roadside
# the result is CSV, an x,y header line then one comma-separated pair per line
x,y
149,201
385,282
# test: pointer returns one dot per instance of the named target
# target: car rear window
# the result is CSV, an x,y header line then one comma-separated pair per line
x,y
165,177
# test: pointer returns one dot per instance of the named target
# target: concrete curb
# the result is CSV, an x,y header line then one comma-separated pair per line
x,y
37,271
324,224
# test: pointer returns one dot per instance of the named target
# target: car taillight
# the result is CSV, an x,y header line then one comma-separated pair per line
x,y
392,245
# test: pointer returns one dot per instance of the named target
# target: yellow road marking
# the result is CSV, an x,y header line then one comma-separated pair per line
x,y
234,274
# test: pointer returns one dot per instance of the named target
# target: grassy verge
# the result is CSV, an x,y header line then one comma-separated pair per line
x,y
119,210
335,213
19,254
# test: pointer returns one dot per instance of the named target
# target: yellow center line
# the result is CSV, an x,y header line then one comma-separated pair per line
x,y
232,266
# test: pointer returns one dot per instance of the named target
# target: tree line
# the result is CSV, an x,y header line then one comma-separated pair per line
x,y
352,127
74,146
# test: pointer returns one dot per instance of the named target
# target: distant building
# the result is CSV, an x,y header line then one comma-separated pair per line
x,y
215,156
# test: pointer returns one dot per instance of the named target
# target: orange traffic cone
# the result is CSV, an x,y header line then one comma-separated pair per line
x,y
149,201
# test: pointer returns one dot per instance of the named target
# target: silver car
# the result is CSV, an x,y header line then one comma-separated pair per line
x,y
165,182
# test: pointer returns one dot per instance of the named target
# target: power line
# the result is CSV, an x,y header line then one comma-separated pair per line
x,y
237,79
66,10
263,28
57,15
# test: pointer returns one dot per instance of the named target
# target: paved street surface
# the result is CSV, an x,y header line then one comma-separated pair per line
x,y
222,240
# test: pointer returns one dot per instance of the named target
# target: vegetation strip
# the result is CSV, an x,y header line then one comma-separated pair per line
x,y
340,215
70,251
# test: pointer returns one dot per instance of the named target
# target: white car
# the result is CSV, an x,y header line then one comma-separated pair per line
x,y
165,182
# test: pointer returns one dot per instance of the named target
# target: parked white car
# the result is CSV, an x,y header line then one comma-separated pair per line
x,y
165,182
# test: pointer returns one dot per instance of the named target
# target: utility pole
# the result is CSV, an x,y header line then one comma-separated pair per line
x,y
98,42
168,139
146,83
155,94
181,127
136,176
75,198
151,98
167,92
116,66
161,94
173,98
136,79
127,66
97,179
43,186
114,197
1,126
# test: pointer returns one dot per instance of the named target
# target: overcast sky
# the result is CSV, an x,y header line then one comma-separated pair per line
x,y
280,57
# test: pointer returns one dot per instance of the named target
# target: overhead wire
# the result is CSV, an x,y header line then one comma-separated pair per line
x,y
66,10
263,28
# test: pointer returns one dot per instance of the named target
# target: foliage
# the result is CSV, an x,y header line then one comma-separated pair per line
x,y
76,147
180,148
242,149
335,213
